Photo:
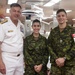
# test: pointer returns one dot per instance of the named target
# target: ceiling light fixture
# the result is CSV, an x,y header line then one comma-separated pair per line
x,y
68,11
12,1
51,2
73,19
7,10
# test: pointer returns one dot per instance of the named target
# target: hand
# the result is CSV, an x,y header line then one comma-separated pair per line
x,y
35,67
60,62
48,72
38,68
2,68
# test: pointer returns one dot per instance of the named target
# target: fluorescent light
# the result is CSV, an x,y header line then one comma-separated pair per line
x,y
49,3
7,11
36,7
68,10
51,16
46,17
52,2
73,19
6,17
55,1
12,1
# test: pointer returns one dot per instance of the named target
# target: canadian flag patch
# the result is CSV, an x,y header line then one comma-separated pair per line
x,y
73,35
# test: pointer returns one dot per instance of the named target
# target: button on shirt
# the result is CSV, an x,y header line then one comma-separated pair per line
x,y
11,36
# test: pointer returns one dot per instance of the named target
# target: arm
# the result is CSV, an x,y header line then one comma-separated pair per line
x,y
27,56
45,54
71,52
69,49
2,66
52,53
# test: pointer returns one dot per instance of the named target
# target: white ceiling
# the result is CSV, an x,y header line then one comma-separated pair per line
x,y
47,11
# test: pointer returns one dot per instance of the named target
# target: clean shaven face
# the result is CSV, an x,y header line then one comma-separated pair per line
x,y
15,13
36,27
61,17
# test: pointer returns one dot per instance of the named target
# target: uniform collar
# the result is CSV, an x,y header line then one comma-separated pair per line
x,y
38,37
10,22
67,26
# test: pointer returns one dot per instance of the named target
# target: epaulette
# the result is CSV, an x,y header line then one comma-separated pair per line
x,y
4,21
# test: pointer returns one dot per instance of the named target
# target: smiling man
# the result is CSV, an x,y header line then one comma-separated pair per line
x,y
11,43
61,45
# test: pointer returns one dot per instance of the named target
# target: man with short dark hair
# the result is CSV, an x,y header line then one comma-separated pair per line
x,y
11,43
61,45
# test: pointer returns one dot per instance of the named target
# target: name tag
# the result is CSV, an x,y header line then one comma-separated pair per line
x,y
10,31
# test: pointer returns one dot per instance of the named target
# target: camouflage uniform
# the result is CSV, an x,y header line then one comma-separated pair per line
x,y
36,53
61,44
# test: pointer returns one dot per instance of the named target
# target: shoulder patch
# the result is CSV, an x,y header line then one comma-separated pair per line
x,y
4,21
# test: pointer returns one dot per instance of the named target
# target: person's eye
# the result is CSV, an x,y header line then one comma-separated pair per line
x,y
63,15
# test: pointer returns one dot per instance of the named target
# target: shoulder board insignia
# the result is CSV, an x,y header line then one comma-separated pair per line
x,y
4,21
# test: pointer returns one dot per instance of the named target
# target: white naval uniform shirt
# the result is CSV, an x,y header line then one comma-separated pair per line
x,y
11,37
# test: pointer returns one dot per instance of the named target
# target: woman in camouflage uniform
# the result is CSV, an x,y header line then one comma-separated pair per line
x,y
35,52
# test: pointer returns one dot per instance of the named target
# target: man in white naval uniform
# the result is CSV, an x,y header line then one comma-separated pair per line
x,y
11,43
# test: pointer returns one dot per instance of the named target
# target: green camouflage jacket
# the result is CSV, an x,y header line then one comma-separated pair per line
x,y
61,44
35,51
